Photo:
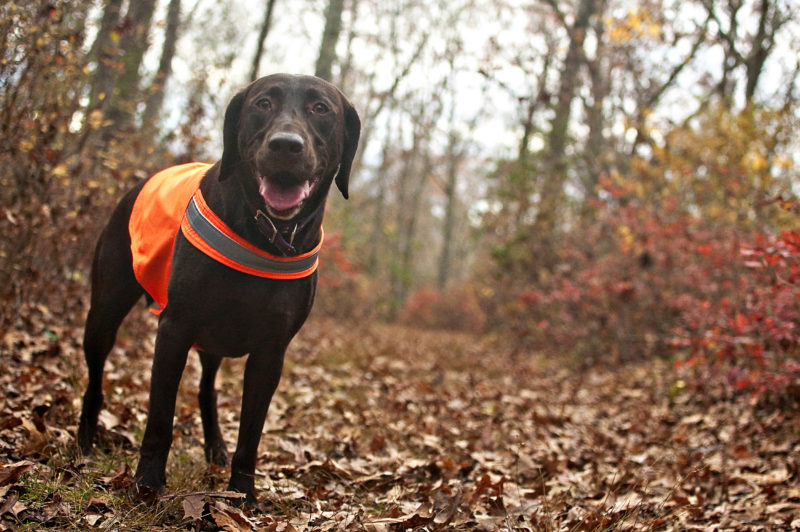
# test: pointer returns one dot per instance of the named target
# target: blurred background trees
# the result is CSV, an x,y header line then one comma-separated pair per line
x,y
606,178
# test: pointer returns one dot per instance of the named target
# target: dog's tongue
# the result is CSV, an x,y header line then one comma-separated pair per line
x,y
283,197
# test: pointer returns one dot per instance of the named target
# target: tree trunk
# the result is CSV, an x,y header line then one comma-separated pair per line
x,y
769,22
134,42
732,57
156,93
397,278
410,230
347,62
553,184
376,247
570,77
327,50
104,52
599,86
262,36
453,161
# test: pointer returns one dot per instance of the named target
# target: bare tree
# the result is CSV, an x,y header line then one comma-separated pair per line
x,y
748,51
569,82
103,54
155,95
330,36
378,221
262,37
454,156
134,43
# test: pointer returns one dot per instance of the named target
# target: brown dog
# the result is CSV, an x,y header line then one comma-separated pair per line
x,y
238,277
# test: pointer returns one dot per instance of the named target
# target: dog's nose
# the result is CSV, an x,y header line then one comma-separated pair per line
x,y
286,143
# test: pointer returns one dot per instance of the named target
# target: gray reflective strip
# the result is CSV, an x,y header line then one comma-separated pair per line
x,y
238,253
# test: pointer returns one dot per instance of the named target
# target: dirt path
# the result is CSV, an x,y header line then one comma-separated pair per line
x,y
385,428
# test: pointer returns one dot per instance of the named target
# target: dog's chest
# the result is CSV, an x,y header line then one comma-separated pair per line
x,y
234,313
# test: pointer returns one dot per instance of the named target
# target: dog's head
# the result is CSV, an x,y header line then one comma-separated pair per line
x,y
292,136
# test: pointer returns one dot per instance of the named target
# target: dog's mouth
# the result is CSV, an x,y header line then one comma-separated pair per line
x,y
284,195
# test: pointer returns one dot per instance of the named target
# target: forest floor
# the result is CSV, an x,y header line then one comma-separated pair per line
x,y
378,427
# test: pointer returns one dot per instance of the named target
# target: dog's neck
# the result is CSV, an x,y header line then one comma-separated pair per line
x,y
282,233
234,201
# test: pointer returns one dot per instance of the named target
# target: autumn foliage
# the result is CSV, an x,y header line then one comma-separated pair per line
x,y
616,345
751,337
684,256
456,308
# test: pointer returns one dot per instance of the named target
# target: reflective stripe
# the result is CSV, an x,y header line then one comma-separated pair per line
x,y
230,252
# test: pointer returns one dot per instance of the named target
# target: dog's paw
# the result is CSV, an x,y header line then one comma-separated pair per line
x,y
248,490
85,439
84,447
218,455
144,491
145,494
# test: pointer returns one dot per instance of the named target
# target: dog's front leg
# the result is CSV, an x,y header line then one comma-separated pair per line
x,y
172,347
261,377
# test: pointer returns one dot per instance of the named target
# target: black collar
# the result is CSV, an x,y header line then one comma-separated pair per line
x,y
277,231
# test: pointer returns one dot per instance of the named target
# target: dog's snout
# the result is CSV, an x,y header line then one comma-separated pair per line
x,y
286,143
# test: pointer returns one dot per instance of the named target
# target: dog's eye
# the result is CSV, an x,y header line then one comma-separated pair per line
x,y
320,108
264,103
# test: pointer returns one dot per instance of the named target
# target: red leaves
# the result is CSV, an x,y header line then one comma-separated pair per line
x,y
640,280
486,486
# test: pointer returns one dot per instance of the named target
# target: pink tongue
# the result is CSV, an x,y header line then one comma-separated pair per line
x,y
283,198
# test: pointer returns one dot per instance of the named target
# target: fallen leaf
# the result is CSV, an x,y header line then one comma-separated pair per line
x,y
120,480
10,473
9,503
229,518
92,519
193,507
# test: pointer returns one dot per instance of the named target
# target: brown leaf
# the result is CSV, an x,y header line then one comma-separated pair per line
x,y
10,473
92,519
39,413
37,439
415,521
120,480
448,507
378,442
9,503
193,507
229,518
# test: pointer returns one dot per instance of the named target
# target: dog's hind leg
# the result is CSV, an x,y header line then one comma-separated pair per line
x,y
114,291
214,444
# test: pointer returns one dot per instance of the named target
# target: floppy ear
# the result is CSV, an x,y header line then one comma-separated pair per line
x,y
230,136
352,130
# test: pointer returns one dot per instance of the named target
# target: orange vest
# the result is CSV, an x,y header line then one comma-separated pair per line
x,y
170,200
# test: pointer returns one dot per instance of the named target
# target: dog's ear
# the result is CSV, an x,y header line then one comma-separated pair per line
x,y
230,136
352,131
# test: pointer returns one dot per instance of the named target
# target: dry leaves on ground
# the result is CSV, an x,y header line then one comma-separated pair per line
x,y
384,428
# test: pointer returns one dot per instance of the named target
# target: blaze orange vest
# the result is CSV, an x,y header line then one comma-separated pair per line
x,y
171,200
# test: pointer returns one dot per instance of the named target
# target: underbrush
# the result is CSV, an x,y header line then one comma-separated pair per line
x,y
643,283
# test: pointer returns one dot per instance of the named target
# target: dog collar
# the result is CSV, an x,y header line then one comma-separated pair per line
x,y
208,233
276,237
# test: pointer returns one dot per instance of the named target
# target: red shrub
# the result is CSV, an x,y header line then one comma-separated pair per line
x,y
752,337
457,309
640,281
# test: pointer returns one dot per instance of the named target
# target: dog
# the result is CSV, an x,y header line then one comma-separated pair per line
x,y
235,264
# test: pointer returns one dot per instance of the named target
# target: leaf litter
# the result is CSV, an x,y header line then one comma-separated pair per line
x,y
378,427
